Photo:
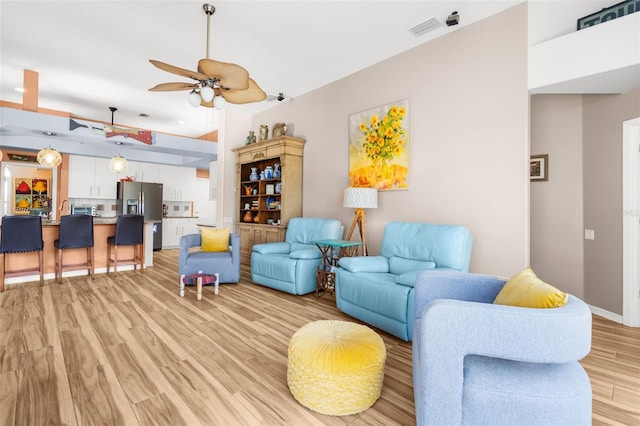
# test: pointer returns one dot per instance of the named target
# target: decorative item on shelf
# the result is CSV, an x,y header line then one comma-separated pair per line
x,y
257,218
254,174
262,175
268,172
269,189
271,203
278,187
278,130
276,171
360,198
264,132
247,206
247,216
255,191
269,221
248,189
251,138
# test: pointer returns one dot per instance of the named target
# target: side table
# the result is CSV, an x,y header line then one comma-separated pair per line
x,y
199,279
332,251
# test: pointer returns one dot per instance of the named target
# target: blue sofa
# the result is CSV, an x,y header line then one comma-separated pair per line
x,y
483,364
379,289
291,265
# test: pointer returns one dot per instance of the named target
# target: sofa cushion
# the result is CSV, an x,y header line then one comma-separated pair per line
x,y
306,253
365,264
275,265
449,246
376,292
400,265
525,289
214,239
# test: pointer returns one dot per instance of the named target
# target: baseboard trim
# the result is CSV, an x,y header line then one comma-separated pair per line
x,y
606,314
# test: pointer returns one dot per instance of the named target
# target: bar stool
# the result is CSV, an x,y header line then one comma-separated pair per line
x,y
76,231
129,232
21,234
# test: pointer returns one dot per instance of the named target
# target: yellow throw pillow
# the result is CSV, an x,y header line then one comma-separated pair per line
x,y
525,289
214,239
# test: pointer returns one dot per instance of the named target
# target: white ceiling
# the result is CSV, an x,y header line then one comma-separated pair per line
x,y
94,54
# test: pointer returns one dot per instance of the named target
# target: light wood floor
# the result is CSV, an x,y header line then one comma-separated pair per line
x,y
127,350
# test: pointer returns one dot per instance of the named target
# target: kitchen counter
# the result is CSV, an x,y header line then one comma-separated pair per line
x,y
104,227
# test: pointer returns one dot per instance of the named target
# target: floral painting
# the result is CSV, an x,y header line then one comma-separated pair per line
x,y
379,147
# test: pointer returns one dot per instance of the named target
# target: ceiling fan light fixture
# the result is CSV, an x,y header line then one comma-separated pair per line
x,y
207,93
194,98
49,157
118,164
219,102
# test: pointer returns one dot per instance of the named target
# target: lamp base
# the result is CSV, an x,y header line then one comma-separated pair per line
x,y
358,219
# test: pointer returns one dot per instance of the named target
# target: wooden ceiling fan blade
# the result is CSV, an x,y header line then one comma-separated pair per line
x,y
253,94
179,71
170,87
230,75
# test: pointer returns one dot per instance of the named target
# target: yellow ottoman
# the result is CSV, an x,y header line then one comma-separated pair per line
x,y
336,367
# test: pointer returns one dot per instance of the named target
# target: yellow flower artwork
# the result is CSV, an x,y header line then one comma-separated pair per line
x,y
379,147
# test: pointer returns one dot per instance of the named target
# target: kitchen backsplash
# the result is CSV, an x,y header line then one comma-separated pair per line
x,y
108,207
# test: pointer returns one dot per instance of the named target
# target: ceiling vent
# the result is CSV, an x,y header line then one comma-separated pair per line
x,y
425,27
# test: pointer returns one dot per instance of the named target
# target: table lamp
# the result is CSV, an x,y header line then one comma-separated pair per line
x,y
360,198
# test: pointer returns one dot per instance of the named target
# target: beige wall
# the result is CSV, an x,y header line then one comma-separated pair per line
x,y
469,138
602,157
556,205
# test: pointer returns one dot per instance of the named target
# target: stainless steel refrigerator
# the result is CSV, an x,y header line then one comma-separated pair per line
x,y
145,199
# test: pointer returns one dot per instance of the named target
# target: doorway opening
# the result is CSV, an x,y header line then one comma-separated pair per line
x,y
631,222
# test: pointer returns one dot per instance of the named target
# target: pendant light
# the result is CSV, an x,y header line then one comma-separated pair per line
x,y
49,157
118,164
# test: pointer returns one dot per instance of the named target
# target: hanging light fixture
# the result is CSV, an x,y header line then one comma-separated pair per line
x,y
118,164
49,157
194,98
219,102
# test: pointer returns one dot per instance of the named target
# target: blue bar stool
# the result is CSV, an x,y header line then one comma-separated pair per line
x,y
76,231
129,232
21,234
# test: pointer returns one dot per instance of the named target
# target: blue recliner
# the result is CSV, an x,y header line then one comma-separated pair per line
x,y
226,263
476,363
291,265
379,289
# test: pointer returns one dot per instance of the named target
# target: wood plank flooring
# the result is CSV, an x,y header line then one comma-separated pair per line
x,y
127,350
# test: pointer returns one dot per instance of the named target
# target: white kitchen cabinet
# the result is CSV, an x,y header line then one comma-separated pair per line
x,y
145,172
90,177
174,229
178,183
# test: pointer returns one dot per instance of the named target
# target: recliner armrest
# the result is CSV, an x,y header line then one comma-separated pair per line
x,y
309,253
272,248
365,264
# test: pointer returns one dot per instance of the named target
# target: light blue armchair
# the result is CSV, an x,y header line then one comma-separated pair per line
x,y
291,265
479,363
379,289
226,263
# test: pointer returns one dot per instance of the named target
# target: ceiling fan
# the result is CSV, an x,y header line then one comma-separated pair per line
x,y
216,82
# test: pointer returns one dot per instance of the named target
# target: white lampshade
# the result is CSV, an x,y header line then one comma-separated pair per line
x,y
219,102
194,99
49,157
118,164
207,93
363,198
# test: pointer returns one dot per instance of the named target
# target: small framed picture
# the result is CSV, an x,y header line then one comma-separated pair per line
x,y
269,189
539,167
